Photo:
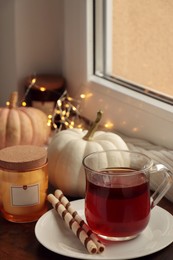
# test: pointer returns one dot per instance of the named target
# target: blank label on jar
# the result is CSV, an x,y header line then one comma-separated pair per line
x,y
26,195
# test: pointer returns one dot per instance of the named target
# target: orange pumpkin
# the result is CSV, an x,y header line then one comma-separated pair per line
x,y
22,125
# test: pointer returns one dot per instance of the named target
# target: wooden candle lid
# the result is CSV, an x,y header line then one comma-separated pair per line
x,y
22,157
50,82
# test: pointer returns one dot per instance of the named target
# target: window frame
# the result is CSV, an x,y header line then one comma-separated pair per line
x,y
132,113
103,54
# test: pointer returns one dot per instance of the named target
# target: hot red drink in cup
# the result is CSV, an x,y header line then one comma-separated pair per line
x,y
117,201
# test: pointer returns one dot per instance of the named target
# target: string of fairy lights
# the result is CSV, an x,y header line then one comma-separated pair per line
x,y
66,113
67,110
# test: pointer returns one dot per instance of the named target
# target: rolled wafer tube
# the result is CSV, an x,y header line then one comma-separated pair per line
x,y
60,196
73,224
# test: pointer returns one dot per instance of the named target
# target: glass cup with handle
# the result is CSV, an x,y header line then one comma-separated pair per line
x,y
117,200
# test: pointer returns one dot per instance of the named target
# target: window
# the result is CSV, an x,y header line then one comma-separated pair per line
x,y
133,43
129,111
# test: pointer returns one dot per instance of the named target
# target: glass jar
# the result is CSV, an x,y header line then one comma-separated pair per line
x,y
23,182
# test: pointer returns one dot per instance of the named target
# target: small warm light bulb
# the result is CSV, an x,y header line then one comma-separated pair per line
x,y
33,81
74,108
67,114
59,103
69,98
88,95
55,126
7,103
42,89
72,123
108,125
49,123
135,129
49,116
79,126
83,96
23,104
63,112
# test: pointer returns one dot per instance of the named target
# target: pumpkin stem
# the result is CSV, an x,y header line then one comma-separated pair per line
x,y
91,131
13,99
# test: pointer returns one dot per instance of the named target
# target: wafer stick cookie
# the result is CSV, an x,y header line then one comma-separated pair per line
x,y
60,196
73,224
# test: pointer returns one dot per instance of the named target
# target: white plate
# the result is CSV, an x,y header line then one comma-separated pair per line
x,y
52,233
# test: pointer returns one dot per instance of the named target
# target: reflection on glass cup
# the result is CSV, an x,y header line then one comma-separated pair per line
x,y
117,200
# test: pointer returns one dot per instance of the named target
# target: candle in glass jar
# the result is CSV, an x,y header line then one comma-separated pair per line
x,y
23,182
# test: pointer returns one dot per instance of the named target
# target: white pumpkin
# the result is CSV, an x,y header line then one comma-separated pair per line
x,y
67,150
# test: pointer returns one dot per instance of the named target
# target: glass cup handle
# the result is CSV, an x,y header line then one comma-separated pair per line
x,y
164,186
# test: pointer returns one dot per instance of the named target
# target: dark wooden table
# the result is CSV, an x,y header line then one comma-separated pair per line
x,y
18,241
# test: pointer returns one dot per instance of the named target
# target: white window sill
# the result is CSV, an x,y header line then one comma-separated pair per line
x,y
157,153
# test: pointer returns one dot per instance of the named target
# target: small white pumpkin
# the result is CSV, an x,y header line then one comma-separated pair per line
x,y
67,150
